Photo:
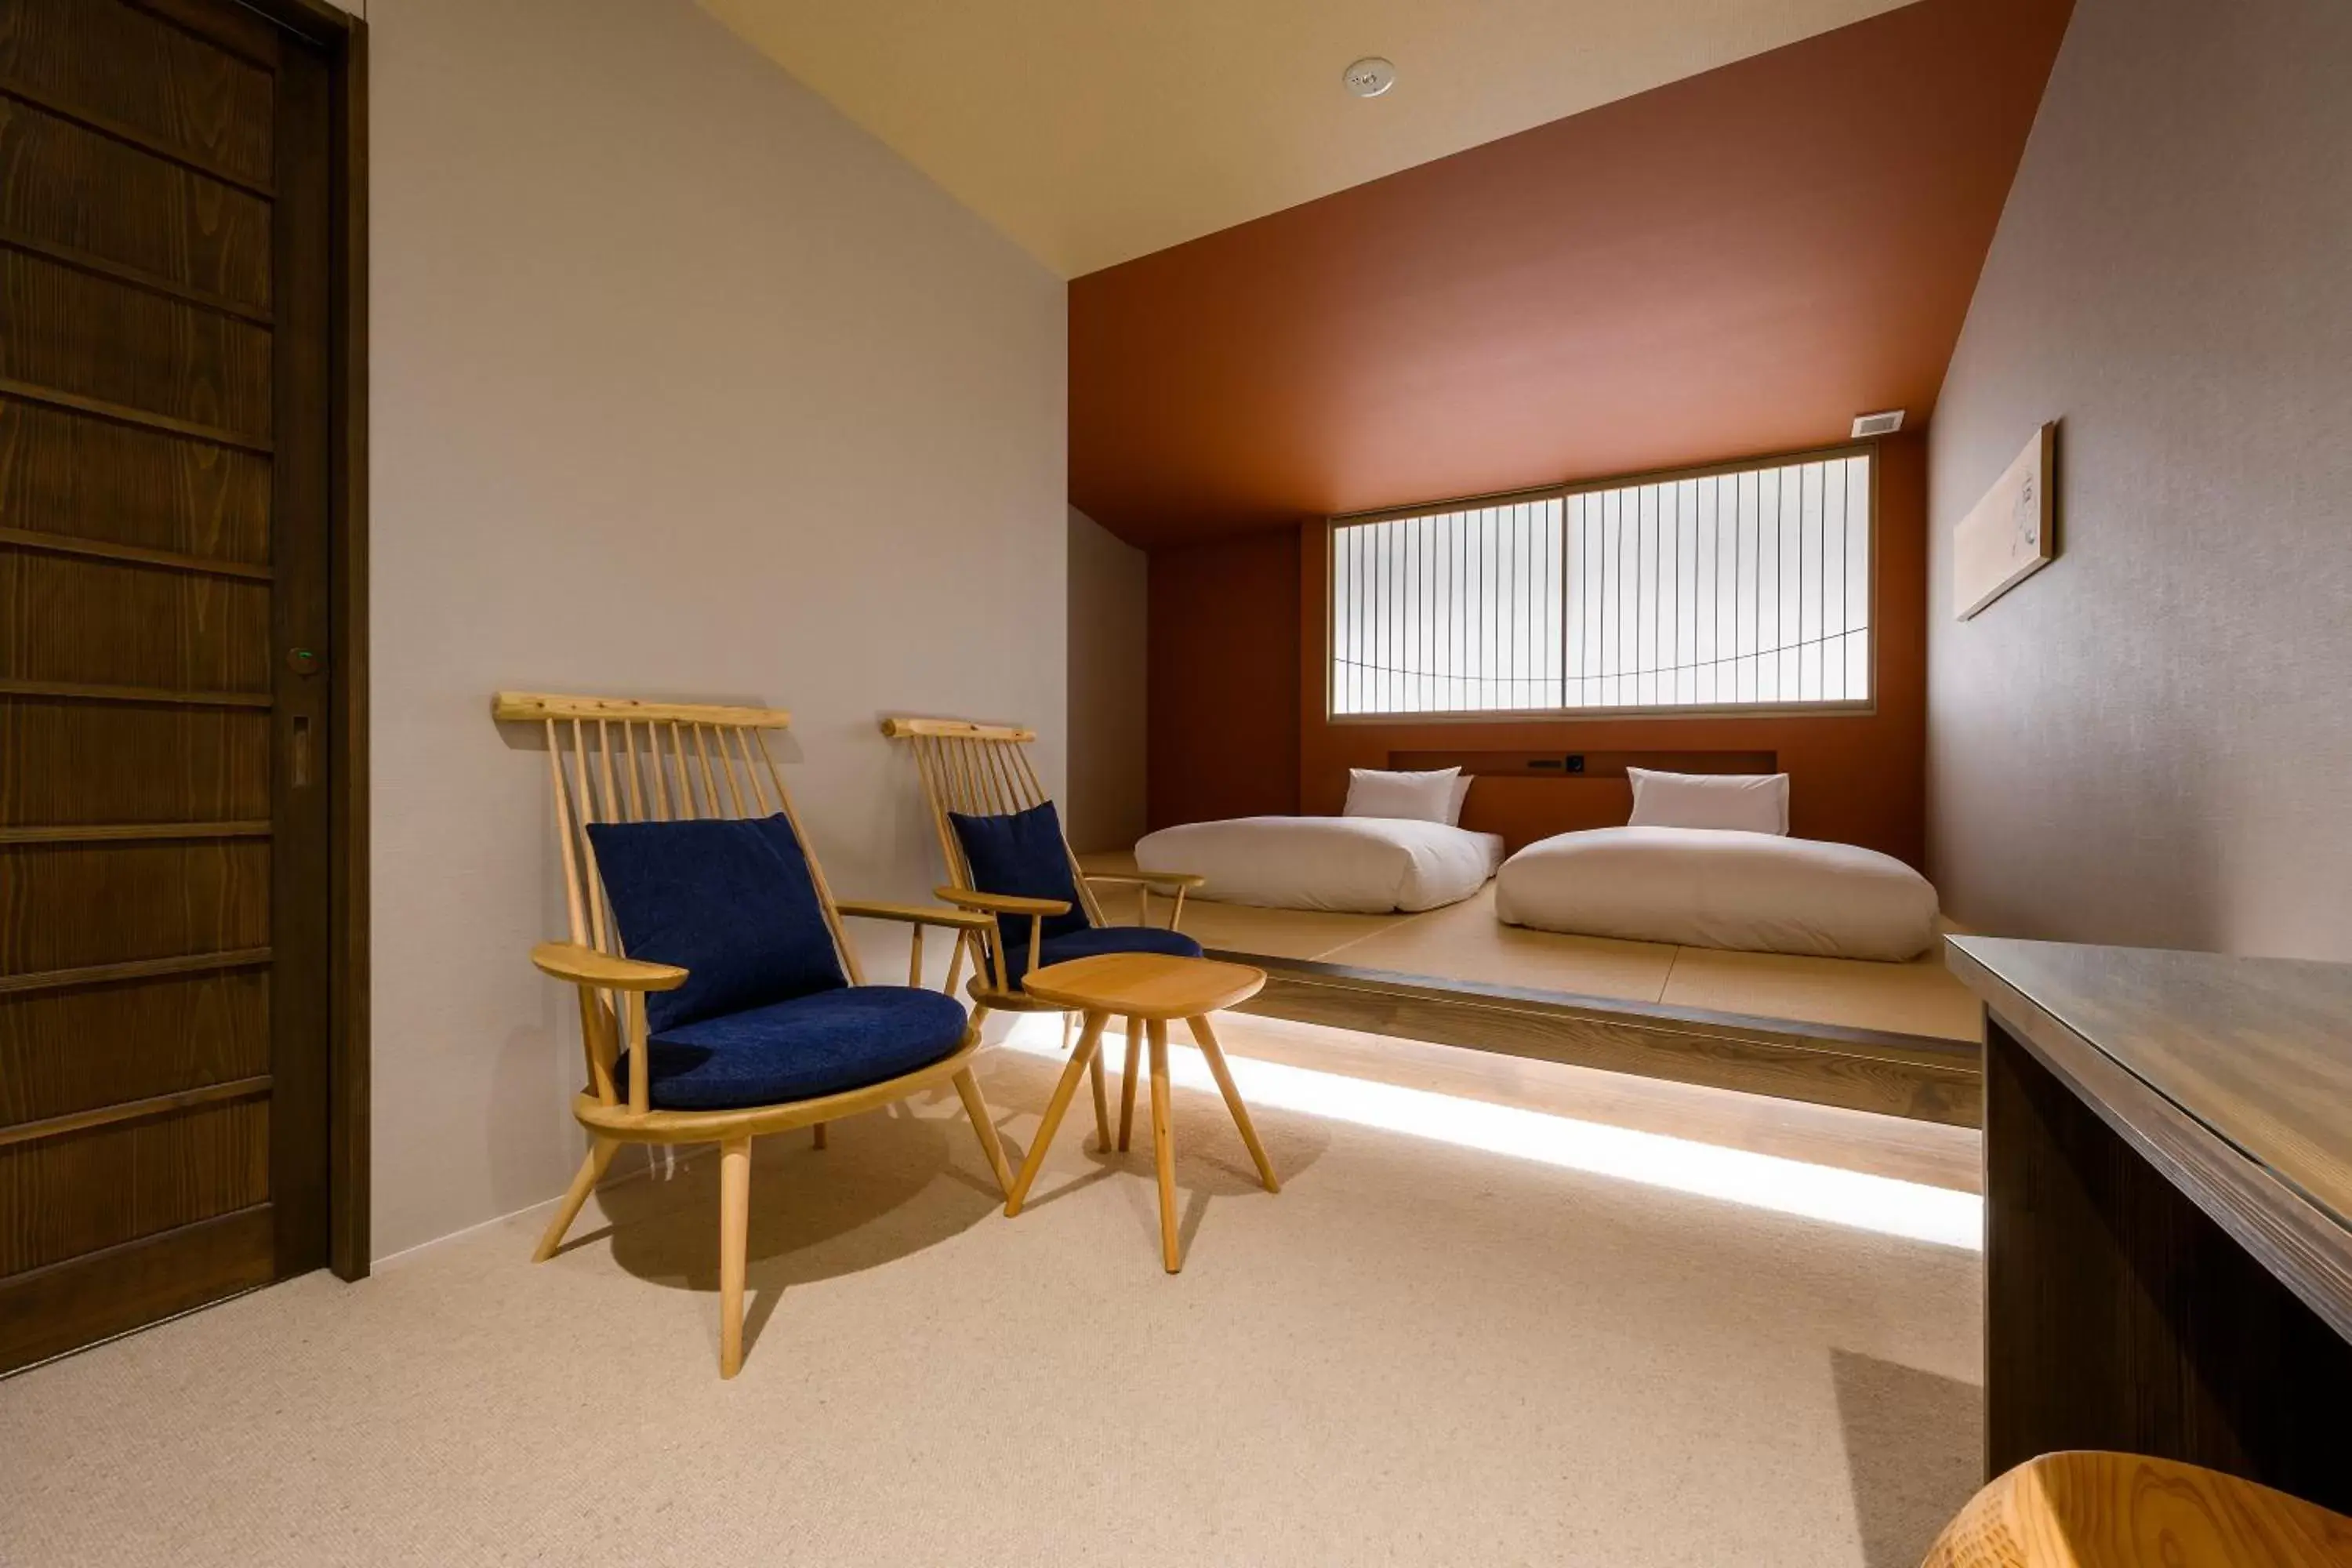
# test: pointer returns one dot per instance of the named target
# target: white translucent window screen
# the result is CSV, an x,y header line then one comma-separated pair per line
x,y
1751,589
1456,612
1743,588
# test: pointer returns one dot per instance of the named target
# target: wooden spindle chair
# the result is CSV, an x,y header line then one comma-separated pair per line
x,y
982,770
614,760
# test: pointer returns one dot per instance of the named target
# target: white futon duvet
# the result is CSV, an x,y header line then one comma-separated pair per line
x,y
1368,865
1703,887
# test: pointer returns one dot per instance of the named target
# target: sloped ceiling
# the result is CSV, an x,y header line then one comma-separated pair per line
x,y
1092,131
1734,263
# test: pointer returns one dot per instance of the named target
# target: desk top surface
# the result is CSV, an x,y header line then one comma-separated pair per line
x,y
2256,1050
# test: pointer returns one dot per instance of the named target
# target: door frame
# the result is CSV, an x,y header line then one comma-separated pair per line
x,y
342,39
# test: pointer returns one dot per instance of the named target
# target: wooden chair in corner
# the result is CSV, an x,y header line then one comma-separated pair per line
x,y
2086,1508
1008,859
719,998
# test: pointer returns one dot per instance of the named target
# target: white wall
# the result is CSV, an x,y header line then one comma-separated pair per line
x,y
1109,598
2145,743
683,386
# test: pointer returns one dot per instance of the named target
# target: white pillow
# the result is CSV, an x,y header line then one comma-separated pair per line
x,y
1414,797
1453,806
1748,802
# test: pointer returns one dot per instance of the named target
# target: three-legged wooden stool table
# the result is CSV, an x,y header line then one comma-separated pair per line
x,y
1151,987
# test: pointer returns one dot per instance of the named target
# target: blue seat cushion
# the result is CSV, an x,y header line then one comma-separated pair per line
x,y
1096,939
730,901
1022,856
820,1043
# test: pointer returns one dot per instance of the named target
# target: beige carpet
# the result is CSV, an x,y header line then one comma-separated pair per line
x,y
1416,1354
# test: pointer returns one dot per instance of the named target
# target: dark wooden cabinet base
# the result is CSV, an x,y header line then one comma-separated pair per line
x,y
2119,1316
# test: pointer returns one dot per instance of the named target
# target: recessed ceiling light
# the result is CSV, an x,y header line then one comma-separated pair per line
x,y
1370,77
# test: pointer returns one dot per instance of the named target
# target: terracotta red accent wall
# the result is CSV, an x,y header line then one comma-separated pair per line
x,y
1222,674
1217,639
1731,264
1739,262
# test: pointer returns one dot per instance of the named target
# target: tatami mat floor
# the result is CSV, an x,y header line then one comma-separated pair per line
x,y
1465,941
1419,1352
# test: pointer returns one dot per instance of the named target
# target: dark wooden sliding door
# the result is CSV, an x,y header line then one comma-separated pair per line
x,y
164,632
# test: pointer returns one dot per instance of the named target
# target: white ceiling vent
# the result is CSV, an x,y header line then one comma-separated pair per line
x,y
1884,424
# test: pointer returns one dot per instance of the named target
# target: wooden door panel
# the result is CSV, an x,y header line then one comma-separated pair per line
x,y
114,762
76,906
48,1311
61,1198
173,225
95,338
71,476
141,78
106,622
65,1051
164,713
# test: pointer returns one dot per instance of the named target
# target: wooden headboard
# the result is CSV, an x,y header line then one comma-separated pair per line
x,y
1585,764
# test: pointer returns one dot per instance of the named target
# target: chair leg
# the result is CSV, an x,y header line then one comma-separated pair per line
x,y
1163,1147
1088,1041
734,1237
1102,1104
592,1171
974,1107
1207,1040
818,1139
1126,1081
1069,1023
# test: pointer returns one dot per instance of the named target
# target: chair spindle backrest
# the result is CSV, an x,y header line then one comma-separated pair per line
x,y
978,770
614,759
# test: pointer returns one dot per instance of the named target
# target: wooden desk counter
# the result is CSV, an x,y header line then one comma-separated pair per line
x,y
2167,1209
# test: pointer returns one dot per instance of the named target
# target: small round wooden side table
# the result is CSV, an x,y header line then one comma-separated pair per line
x,y
1152,988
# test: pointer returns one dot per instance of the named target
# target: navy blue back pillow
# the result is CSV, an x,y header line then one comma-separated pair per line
x,y
730,901
1023,856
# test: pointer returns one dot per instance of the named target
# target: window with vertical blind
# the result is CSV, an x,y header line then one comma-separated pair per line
x,y
1742,586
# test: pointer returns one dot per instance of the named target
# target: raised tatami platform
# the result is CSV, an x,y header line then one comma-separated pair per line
x,y
1895,1038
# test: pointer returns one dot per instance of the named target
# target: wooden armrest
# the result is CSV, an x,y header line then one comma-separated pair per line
x,y
1186,879
586,966
916,914
999,903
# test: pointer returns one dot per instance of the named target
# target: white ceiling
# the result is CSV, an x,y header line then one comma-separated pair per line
x,y
1092,131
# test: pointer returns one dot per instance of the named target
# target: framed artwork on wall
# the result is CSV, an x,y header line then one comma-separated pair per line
x,y
2012,533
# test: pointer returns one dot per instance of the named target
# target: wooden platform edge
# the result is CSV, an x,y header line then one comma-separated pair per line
x,y
1919,1077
